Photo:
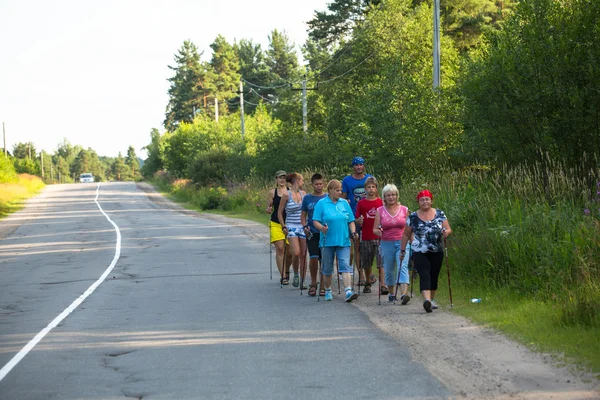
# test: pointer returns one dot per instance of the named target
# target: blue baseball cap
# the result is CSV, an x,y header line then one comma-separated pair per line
x,y
358,161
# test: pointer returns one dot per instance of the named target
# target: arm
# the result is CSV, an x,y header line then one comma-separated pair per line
x,y
405,239
377,231
269,209
320,226
446,230
359,214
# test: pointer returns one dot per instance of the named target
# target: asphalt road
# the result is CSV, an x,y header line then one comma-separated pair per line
x,y
188,312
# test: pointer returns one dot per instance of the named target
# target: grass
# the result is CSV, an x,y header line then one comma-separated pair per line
x,y
533,322
13,194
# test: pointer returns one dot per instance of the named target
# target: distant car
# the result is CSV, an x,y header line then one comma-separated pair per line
x,y
86,178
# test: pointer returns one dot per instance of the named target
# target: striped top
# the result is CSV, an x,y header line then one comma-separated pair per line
x,y
293,211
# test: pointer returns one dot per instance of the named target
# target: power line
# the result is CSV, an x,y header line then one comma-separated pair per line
x,y
347,72
349,45
267,87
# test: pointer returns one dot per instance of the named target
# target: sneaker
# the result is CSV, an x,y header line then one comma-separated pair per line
x,y
384,289
367,289
391,298
296,281
434,305
328,295
350,296
427,306
404,299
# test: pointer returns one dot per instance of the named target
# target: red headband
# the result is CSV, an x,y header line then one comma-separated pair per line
x,y
424,193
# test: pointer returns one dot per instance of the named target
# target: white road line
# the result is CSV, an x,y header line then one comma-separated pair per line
x,y
29,346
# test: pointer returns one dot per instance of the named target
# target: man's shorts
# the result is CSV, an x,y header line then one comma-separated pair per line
x,y
276,232
313,245
368,252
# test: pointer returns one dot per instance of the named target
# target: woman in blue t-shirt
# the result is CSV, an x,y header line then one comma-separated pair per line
x,y
430,227
334,218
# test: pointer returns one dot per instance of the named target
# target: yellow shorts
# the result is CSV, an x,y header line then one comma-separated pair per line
x,y
276,232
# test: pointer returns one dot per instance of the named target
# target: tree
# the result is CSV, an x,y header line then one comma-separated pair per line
x,y
120,170
133,163
281,57
186,93
532,91
465,20
155,151
24,150
225,77
339,21
254,69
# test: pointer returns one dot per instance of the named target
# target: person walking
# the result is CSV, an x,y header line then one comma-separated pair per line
x,y
313,235
366,210
277,236
333,217
353,190
390,222
430,227
291,203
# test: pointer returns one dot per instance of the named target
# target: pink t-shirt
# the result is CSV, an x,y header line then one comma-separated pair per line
x,y
393,225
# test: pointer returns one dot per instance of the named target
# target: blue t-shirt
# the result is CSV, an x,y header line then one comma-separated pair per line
x,y
354,189
337,216
308,204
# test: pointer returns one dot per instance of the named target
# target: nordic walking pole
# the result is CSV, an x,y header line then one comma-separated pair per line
x,y
448,269
358,264
379,266
271,258
283,262
303,271
337,264
411,265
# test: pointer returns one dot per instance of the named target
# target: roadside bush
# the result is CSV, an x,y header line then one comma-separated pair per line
x,y
7,170
219,167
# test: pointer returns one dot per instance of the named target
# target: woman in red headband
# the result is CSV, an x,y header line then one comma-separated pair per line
x,y
429,226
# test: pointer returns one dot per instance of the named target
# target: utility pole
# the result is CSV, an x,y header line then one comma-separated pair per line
x,y
304,101
436,44
216,109
42,159
242,107
304,107
4,135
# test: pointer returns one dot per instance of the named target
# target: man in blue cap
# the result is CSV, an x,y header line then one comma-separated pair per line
x,y
353,190
353,186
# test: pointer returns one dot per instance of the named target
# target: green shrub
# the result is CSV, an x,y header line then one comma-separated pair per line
x,y
7,170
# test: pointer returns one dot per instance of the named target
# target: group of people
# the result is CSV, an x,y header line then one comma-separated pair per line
x,y
349,215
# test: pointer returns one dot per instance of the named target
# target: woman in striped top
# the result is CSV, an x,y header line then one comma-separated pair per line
x,y
291,202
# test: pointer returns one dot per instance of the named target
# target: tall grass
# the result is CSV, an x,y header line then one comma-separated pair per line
x,y
12,194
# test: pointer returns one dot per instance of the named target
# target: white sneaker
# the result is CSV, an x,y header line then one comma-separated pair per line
x,y
434,305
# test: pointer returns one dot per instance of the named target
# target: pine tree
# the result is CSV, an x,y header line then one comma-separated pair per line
x,y
224,75
134,164
281,57
186,94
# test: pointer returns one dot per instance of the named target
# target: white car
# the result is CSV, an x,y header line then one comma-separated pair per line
x,y
86,178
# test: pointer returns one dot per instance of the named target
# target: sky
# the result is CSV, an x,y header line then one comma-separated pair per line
x,y
95,72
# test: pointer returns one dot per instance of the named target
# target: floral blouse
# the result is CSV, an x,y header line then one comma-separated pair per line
x,y
428,234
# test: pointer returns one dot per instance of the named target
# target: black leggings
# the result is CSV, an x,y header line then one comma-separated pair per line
x,y
428,266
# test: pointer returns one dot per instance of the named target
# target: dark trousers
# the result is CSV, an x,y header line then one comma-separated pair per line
x,y
428,266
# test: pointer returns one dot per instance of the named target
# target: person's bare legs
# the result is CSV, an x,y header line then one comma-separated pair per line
x,y
279,256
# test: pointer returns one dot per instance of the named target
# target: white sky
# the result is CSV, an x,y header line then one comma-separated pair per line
x,y
95,72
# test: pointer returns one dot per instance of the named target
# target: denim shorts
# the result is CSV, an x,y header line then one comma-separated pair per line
x,y
296,231
343,256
